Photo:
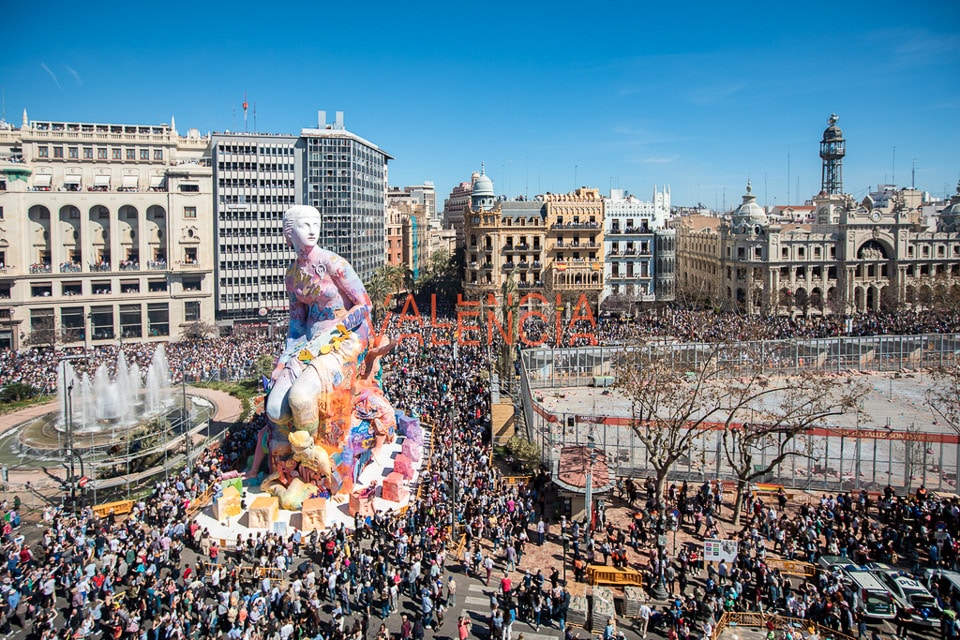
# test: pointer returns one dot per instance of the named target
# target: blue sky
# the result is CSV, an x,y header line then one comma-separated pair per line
x,y
549,95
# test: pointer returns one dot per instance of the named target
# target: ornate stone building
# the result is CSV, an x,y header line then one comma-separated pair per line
x,y
853,256
106,232
550,245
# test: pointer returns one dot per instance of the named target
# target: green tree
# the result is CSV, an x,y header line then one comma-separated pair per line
x,y
16,391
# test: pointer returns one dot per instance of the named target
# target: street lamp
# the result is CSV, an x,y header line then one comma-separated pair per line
x,y
588,481
70,452
451,418
566,541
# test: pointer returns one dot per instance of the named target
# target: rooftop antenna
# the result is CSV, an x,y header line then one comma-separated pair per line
x,y
245,105
254,117
913,175
3,105
788,174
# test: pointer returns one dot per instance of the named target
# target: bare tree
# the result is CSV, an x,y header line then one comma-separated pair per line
x,y
943,396
199,330
681,393
672,399
43,332
765,415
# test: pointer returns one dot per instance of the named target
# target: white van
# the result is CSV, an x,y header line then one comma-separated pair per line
x,y
870,594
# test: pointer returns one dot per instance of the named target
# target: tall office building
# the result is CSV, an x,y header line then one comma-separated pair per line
x,y
256,178
346,179
106,233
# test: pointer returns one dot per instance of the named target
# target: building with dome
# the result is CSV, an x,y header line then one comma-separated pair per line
x,y
850,257
551,245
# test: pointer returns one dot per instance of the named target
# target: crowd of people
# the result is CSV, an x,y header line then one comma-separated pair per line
x,y
689,325
159,575
235,356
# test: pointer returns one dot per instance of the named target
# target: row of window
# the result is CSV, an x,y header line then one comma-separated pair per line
x,y
255,149
116,153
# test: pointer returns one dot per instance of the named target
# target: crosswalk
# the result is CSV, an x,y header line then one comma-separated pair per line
x,y
480,604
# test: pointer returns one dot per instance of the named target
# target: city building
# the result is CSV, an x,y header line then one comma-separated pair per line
x,y
256,178
408,232
346,179
106,233
424,195
394,236
550,245
848,257
630,233
456,205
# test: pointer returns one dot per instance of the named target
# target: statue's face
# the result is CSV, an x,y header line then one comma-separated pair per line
x,y
305,232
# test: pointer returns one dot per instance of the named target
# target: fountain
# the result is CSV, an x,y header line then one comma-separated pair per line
x,y
114,419
101,403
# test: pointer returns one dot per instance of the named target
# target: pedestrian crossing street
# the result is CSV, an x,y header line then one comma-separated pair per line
x,y
480,604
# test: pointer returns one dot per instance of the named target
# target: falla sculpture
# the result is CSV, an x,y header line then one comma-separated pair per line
x,y
327,415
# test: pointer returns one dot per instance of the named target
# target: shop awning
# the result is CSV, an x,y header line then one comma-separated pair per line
x,y
131,182
42,180
101,181
156,181
72,178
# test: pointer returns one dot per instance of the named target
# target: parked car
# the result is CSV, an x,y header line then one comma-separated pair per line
x,y
870,594
909,594
834,563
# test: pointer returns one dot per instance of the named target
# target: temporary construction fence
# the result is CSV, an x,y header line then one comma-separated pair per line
x,y
826,458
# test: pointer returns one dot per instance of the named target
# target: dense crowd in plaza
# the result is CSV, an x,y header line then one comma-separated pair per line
x,y
235,357
689,325
158,575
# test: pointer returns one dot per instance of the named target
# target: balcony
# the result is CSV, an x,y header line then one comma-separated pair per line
x,y
40,268
576,245
530,285
100,266
575,225
524,265
514,248
129,265
629,231
157,265
70,267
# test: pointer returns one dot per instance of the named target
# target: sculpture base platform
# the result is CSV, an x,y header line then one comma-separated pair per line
x,y
338,507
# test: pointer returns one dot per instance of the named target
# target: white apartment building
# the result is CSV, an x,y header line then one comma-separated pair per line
x,y
630,247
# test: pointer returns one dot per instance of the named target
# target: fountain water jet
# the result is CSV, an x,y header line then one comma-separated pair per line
x,y
122,401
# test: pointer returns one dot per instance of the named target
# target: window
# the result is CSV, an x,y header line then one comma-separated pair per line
x,y
158,154
190,187
131,154
158,318
73,153
43,152
58,152
189,212
1,213
144,154
101,153
88,153
117,154
191,311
